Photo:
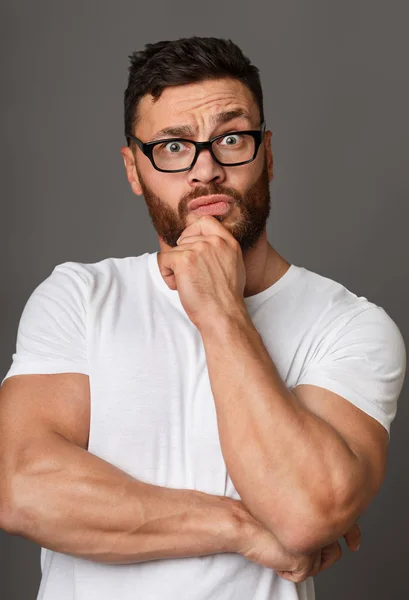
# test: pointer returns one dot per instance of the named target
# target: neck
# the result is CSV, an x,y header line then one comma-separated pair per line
x,y
264,266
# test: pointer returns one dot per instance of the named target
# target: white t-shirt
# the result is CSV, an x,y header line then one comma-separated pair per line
x,y
152,409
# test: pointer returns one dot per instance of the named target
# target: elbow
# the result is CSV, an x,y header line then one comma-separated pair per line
x,y
308,537
316,516
311,534
313,527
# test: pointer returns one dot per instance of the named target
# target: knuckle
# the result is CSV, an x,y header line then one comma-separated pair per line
x,y
205,218
218,241
302,568
236,245
202,246
189,257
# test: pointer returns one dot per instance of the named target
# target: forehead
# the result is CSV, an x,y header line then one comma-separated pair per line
x,y
194,103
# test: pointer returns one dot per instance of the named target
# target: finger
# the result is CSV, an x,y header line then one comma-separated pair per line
x,y
316,566
286,575
294,577
215,239
174,261
309,569
208,225
353,537
169,263
330,555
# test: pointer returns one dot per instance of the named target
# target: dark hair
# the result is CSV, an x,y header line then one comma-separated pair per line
x,y
183,61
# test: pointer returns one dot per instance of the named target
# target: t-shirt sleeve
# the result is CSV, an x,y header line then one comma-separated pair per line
x,y
52,332
365,363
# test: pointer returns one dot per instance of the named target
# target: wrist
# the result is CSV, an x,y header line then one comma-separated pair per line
x,y
221,519
226,323
243,527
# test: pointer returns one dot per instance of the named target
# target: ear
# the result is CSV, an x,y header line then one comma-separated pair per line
x,y
131,174
269,153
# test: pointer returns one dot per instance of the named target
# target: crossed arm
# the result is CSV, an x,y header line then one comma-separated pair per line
x,y
309,462
57,494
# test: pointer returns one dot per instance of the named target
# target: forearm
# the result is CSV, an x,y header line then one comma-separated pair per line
x,y
289,467
73,502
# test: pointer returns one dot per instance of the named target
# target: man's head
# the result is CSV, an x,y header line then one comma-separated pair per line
x,y
189,82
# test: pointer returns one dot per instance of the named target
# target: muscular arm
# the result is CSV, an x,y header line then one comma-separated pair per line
x,y
306,463
57,494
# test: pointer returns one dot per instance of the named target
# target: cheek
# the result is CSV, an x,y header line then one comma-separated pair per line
x,y
168,189
245,179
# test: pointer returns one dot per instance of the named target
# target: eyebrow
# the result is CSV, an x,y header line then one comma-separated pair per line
x,y
188,130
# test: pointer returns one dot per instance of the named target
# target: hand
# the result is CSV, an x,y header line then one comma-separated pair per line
x,y
207,270
261,546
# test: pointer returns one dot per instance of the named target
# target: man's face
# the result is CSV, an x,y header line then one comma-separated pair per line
x,y
168,194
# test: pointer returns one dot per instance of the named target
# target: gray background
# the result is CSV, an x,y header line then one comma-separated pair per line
x,y
336,89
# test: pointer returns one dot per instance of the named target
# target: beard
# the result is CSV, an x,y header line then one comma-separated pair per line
x,y
247,228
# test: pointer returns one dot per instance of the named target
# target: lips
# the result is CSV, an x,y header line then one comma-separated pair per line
x,y
203,200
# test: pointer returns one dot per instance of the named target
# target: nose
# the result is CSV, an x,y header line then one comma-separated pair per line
x,y
206,169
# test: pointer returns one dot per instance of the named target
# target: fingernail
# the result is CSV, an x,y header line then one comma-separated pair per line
x,y
357,548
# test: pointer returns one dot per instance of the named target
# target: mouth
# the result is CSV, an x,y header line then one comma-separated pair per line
x,y
215,204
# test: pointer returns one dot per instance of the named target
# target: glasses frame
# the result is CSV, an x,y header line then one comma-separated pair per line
x,y
147,147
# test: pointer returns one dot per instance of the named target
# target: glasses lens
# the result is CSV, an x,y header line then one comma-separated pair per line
x,y
173,155
230,149
234,148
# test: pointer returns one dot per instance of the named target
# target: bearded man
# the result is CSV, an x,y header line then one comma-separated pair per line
x,y
206,421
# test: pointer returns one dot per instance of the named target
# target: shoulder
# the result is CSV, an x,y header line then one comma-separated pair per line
x,y
343,318
335,306
89,274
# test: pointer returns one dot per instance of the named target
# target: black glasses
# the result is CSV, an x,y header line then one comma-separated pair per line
x,y
174,155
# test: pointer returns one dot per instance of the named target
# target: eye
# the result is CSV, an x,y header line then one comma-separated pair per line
x,y
173,147
232,139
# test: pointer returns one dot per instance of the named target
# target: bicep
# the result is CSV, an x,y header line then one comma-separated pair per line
x,y
46,389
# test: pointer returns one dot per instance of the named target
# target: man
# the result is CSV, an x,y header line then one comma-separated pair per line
x,y
209,402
